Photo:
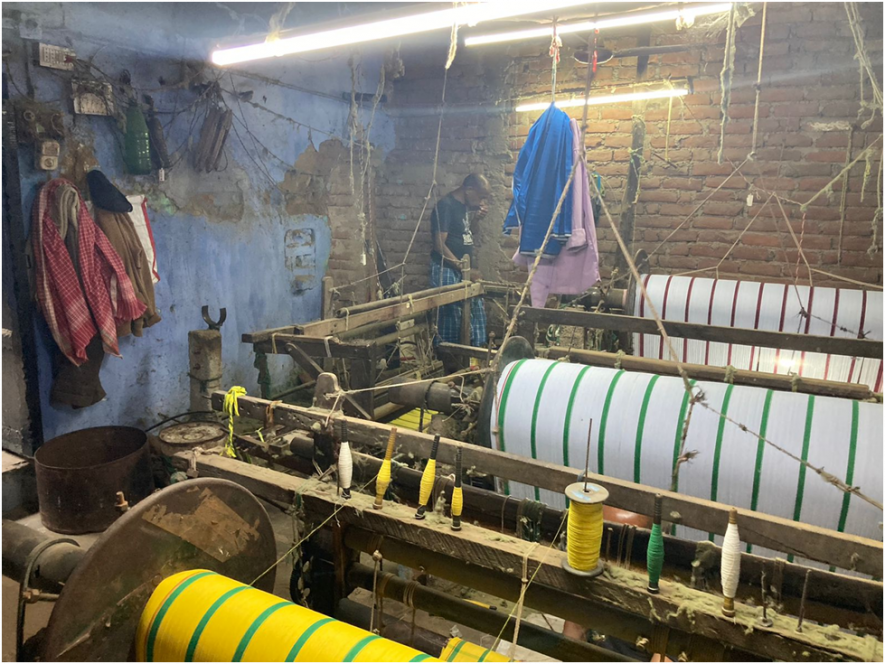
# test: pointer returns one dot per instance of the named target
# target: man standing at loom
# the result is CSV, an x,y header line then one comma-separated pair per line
x,y
452,240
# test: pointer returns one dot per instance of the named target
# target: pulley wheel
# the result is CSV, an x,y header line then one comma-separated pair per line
x,y
181,437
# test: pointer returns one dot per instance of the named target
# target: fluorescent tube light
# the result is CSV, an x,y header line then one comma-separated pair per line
x,y
395,27
688,13
607,99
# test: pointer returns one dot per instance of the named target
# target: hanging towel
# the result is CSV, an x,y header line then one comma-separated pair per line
x,y
542,170
121,233
96,295
142,223
576,268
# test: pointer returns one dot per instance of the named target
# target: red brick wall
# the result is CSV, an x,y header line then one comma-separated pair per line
x,y
810,92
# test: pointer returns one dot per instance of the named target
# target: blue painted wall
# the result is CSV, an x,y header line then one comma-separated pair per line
x,y
221,238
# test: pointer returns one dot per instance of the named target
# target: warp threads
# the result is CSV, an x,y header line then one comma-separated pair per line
x,y
731,564
427,480
383,480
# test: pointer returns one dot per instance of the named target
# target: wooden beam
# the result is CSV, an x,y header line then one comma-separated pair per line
x,y
800,539
763,338
407,308
379,304
851,602
704,372
315,346
619,588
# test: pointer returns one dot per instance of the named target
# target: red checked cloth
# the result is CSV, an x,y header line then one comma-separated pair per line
x,y
73,311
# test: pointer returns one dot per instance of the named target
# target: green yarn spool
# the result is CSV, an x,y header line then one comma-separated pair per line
x,y
655,554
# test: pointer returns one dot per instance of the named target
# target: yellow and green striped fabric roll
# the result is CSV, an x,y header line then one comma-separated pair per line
x,y
201,616
459,650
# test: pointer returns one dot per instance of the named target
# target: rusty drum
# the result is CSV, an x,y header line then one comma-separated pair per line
x,y
81,475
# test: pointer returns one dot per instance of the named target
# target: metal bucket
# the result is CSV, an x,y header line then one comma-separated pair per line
x,y
79,475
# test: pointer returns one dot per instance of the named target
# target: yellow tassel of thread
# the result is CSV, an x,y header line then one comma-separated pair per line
x,y
457,494
232,409
383,480
427,480
585,527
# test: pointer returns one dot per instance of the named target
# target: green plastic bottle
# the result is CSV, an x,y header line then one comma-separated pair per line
x,y
137,144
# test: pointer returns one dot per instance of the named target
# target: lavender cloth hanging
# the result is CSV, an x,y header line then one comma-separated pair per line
x,y
576,268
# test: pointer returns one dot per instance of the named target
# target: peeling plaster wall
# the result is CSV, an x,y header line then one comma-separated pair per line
x,y
234,239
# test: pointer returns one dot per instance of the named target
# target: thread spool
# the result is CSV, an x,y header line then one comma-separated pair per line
x,y
731,564
584,538
655,553
345,463
383,480
457,494
427,479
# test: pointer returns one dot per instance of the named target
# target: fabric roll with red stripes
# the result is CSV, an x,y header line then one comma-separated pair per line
x,y
77,304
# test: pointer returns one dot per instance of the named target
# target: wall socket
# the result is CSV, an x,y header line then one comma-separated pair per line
x,y
46,155
56,57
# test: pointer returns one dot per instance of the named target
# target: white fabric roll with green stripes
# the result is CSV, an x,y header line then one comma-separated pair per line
x,y
543,409
829,312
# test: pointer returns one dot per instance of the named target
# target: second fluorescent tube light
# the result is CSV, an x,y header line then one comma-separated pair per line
x,y
394,27
688,13
606,99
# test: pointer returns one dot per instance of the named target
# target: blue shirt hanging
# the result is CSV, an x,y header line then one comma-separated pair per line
x,y
542,171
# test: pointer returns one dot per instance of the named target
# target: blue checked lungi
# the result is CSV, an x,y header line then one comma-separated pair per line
x,y
449,322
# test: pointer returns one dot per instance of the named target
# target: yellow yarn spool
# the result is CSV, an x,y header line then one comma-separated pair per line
x,y
201,616
457,501
427,480
459,650
383,480
584,539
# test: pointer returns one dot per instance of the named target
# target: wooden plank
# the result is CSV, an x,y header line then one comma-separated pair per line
x,y
326,296
800,539
832,598
266,335
704,372
465,305
763,338
322,328
618,588
378,304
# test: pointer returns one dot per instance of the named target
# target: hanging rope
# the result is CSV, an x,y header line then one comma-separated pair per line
x,y
555,47
726,75
759,80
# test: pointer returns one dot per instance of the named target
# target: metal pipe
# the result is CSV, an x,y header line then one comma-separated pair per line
x,y
436,396
54,565
400,334
485,620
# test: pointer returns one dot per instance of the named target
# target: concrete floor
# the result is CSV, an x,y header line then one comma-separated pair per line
x,y
37,615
